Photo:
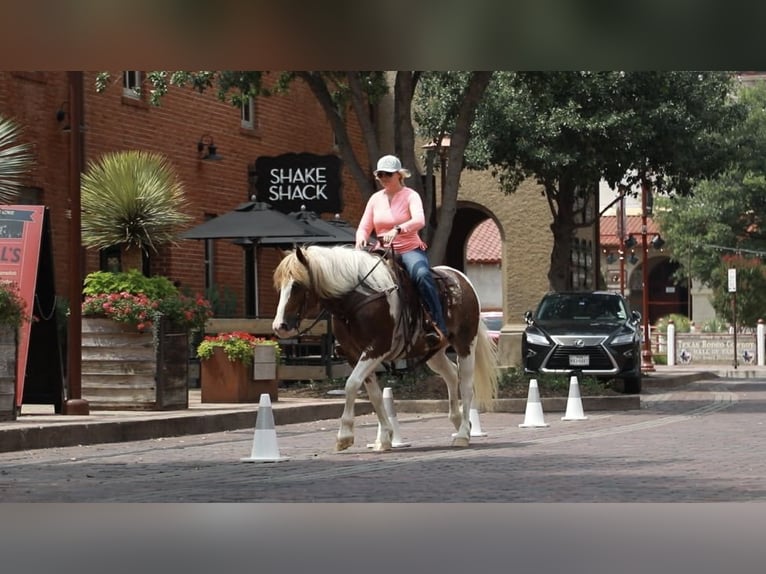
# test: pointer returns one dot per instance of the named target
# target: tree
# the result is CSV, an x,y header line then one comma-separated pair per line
x,y
569,130
15,160
341,93
721,225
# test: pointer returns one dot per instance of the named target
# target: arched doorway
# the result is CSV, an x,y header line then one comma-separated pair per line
x,y
665,296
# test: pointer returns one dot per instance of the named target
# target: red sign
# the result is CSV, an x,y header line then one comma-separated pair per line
x,y
20,235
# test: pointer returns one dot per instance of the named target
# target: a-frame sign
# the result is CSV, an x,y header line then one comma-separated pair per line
x,y
26,257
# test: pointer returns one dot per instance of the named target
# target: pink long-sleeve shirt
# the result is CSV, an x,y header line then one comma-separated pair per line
x,y
405,210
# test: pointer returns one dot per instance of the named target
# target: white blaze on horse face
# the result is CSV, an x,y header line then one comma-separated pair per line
x,y
284,297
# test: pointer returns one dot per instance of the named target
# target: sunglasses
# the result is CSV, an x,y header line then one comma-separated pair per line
x,y
382,174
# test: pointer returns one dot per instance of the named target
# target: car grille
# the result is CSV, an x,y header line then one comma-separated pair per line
x,y
599,359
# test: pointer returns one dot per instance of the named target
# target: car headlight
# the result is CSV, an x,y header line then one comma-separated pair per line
x,y
624,339
537,339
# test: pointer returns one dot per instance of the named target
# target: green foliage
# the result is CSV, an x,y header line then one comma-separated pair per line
x,y
223,300
13,308
130,297
16,160
131,198
715,325
751,290
133,281
237,345
682,323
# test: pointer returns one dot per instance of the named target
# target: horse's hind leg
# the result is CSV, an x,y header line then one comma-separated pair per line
x,y
441,364
385,430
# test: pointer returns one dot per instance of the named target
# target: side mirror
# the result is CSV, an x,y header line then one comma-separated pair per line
x,y
635,316
528,317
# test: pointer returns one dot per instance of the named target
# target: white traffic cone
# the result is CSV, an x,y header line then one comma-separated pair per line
x,y
388,404
533,416
473,417
574,402
265,447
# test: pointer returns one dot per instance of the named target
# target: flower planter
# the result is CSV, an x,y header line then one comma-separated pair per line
x,y
124,369
225,381
8,357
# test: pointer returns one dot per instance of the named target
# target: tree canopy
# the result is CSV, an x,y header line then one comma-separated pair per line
x,y
569,130
721,224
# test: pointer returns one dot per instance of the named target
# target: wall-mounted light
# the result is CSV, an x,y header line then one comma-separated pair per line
x,y
206,149
630,241
611,258
62,114
657,241
633,259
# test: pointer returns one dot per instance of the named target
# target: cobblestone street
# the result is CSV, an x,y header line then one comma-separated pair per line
x,y
700,443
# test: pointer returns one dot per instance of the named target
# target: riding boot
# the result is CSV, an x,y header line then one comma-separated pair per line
x,y
434,337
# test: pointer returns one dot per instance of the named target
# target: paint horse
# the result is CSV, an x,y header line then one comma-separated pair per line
x,y
372,313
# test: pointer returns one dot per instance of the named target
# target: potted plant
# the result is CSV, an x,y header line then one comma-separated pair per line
x,y
238,367
135,343
13,312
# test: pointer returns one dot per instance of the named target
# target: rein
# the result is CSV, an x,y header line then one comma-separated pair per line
x,y
360,283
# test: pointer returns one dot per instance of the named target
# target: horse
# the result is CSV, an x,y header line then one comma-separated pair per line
x,y
374,321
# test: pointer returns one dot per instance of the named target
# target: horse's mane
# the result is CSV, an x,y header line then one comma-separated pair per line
x,y
334,271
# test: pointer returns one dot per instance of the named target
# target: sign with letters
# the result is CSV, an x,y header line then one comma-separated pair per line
x,y
291,181
26,258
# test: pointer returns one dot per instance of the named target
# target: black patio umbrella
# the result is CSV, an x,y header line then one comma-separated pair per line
x,y
331,232
255,221
252,224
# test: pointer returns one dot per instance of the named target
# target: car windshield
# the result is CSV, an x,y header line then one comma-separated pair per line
x,y
582,307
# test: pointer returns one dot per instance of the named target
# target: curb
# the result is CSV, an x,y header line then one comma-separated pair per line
x,y
550,404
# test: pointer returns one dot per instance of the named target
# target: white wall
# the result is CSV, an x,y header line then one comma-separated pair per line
x,y
488,282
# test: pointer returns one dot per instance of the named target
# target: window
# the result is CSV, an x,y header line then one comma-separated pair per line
x,y
248,113
131,84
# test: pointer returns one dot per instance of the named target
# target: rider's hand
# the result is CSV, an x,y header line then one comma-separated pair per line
x,y
361,244
390,235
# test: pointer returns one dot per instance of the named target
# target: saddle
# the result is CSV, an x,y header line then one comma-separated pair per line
x,y
414,312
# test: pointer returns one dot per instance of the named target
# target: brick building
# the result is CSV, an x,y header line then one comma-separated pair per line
x,y
121,119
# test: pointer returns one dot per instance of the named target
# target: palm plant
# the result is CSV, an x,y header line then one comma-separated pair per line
x,y
15,160
131,198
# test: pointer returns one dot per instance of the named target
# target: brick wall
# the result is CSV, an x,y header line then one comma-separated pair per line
x,y
284,123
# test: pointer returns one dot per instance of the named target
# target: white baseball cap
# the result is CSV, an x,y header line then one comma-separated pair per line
x,y
391,164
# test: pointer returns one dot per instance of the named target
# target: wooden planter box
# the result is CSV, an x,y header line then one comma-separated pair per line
x,y
224,381
8,358
123,369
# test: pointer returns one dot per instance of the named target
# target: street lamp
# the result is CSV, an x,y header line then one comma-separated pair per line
x,y
647,364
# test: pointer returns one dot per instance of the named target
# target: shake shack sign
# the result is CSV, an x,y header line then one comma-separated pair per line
x,y
292,180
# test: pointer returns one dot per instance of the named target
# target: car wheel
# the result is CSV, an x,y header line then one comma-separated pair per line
x,y
631,385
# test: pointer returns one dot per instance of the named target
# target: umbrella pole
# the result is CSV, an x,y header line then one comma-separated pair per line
x,y
255,281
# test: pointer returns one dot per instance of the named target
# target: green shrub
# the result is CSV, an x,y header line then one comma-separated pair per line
x,y
682,323
715,325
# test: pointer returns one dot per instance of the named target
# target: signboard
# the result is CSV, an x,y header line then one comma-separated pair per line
x,y
291,181
26,258
20,232
732,280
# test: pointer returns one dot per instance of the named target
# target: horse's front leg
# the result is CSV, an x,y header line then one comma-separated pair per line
x,y
362,370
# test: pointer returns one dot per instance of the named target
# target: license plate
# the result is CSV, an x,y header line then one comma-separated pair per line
x,y
579,360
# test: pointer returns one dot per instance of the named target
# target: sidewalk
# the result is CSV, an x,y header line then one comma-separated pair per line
x,y
39,427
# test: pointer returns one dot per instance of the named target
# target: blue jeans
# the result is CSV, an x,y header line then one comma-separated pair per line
x,y
419,269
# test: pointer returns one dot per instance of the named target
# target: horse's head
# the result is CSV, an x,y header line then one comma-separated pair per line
x,y
296,298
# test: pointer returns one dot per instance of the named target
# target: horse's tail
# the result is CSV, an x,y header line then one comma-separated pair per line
x,y
485,374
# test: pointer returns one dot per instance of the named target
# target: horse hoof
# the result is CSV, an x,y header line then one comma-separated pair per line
x,y
380,447
343,444
461,442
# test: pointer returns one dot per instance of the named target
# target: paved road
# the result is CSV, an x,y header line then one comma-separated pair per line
x,y
702,442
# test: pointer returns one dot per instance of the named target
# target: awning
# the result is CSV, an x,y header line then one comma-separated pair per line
x,y
255,221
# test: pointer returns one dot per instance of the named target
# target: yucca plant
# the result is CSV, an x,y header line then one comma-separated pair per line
x,y
133,199
15,160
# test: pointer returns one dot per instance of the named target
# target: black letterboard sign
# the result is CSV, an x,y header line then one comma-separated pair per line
x,y
293,180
